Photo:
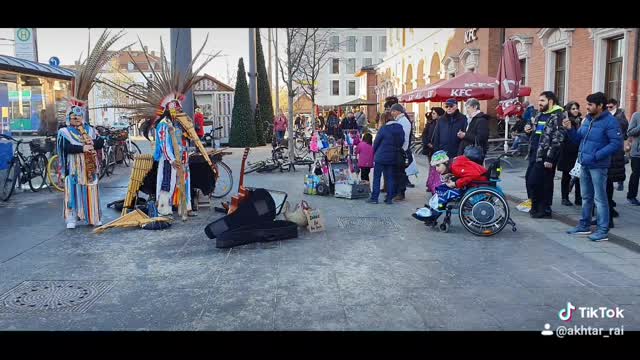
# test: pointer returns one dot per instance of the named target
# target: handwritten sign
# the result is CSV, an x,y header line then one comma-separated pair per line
x,y
314,217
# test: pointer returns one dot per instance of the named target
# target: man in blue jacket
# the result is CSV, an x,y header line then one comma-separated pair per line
x,y
599,137
446,133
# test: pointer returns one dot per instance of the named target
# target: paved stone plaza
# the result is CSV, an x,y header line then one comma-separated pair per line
x,y
374,268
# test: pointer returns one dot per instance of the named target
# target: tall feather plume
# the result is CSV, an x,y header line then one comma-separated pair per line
x,y
91,66
166,81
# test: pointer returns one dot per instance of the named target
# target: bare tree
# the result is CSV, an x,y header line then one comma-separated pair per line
x,y
314,58
290,66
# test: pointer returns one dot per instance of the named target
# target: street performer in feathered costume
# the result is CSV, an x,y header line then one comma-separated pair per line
x,y
77,142
168,193
159,107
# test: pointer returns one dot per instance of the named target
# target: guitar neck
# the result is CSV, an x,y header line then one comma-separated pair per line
x,y
244,161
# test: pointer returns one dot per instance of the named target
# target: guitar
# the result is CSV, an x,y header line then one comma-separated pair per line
x,y
243,193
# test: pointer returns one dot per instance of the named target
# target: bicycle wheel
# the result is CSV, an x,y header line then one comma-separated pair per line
x,y
224,182
54,173
251,167
8,183
111,161
133,151
125,156
38,172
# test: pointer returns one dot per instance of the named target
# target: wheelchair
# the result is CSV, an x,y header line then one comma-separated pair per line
x,y
482,210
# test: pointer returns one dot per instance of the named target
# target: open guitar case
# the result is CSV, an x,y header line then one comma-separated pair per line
x,y
253,221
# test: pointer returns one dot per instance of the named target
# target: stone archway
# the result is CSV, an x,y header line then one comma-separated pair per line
x,y
421,107
434,70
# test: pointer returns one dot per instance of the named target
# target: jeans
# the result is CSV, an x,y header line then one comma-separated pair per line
x,y
388,172
633,179
594,190
565,185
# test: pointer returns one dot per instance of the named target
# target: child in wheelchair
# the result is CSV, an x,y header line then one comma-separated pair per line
x,y
457,175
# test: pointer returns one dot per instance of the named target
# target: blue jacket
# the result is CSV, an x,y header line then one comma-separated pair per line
x,y
388,144
599,139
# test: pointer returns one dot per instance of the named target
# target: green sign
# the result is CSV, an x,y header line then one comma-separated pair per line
x,y
25,94
23,34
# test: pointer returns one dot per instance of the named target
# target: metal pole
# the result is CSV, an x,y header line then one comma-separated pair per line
x,y
506,134
269,57
253,90
277,91
181,58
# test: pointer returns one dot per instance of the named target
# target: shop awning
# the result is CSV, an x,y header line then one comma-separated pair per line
x,y
359,102
463,87
10,63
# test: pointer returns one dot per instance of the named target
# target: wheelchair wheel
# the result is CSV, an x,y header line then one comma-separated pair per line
x,y
484,211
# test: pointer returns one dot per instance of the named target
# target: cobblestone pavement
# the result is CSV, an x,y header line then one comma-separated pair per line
x,y
374,268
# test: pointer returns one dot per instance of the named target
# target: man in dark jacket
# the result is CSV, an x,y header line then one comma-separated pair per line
x,y
544,151
599,137
386,147
612,106
477,130
349,123
446,132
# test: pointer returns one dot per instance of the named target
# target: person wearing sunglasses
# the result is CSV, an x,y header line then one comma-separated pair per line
x,y
612,106
446,132
569,155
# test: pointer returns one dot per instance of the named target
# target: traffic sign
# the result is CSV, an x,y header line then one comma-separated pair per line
x,y
54,61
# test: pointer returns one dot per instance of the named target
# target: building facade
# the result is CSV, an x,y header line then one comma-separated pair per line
x,y
215,99
414,59
123,70
572,62
354,49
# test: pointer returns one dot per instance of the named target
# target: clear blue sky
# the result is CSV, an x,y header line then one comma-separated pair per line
x,y
67,44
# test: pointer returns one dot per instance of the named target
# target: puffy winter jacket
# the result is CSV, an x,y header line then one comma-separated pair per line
x,y
599,139
446,133
388,144
634,134
548,126
467,171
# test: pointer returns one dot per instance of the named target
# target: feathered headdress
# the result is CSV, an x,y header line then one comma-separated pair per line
x,y
165,89
88,70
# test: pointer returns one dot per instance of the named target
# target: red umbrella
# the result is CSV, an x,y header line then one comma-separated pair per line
x,y
463,87
509,78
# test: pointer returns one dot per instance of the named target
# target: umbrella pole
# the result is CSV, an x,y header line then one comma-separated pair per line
x,y
506,134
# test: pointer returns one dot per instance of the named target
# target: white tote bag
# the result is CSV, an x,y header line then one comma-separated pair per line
x,y
412,169
577,169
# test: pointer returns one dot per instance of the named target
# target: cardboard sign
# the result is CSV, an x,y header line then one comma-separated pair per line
x,y
316,224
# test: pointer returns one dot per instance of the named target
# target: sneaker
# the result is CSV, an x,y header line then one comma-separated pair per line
x,y
372,201
71,225
599,236
578,230
633,202
566,202
99,223
541,215
388,202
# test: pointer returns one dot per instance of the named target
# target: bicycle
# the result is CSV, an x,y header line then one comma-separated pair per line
x,y
129,148
31,169
279,160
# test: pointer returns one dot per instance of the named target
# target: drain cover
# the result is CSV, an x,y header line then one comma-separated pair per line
x,y
369,223
56,296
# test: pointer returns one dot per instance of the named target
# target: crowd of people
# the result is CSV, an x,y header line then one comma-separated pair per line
x,y
590,151
332,125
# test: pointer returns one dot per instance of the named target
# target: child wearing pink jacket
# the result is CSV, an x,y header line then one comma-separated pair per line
x,y
364,150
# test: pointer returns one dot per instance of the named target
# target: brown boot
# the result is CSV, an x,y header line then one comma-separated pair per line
x,y
399,197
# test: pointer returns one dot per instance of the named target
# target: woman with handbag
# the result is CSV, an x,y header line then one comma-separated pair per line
x,y
569,155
